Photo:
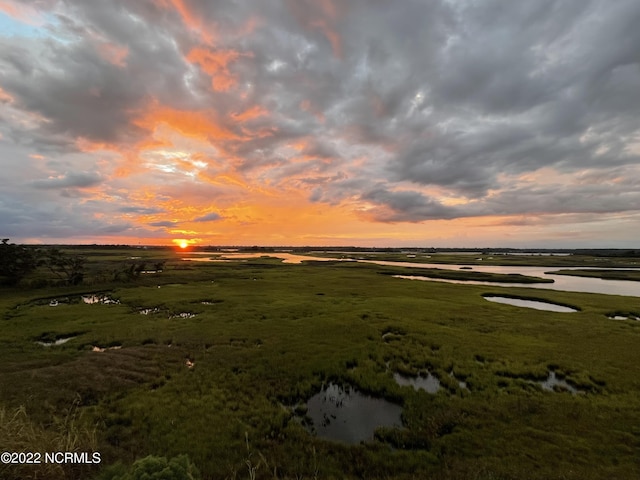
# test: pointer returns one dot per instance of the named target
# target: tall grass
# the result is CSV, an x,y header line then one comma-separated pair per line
x,y
67,433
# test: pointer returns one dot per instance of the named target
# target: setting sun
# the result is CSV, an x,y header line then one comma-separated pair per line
x,y
240,146
181,242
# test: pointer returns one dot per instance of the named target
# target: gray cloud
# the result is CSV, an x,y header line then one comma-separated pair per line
x,y
395,111
69,180
42,220
141,210
405,206
166,223
209,217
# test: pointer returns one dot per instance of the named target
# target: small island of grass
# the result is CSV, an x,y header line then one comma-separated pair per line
x,y
630,275
466,275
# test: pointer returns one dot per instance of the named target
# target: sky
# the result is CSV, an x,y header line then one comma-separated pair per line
x,y
433,123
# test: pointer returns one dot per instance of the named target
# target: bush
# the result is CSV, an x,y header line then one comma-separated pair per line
x,y
155,468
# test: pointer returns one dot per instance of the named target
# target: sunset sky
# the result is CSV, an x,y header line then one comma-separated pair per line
x,y
454,123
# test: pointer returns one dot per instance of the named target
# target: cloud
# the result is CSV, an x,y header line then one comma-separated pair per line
x,y
383,116
166,223
209,217
404,206
69,180
141,210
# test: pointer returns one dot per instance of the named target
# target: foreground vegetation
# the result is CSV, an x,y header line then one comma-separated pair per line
x,y
208,360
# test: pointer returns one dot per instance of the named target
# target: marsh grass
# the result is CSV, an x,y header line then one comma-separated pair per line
x,y
630,275
68,432
464,275
268,344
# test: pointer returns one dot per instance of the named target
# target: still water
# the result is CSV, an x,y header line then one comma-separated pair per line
x,y
561,282
553,381
535,304
428,382
346,415
59,341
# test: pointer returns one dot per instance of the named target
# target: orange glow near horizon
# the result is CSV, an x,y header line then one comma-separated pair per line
x,y
182,243
277,225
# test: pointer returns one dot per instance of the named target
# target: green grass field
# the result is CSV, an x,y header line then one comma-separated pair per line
x,y
226,350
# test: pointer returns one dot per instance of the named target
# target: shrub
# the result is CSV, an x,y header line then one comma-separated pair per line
x,y
155,468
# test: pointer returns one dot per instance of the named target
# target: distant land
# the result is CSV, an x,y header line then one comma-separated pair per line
x,y
604,252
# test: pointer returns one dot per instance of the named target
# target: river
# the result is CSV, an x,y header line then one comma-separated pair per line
x,y
561,282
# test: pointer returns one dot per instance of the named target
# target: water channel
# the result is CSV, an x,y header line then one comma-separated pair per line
x,y
561,282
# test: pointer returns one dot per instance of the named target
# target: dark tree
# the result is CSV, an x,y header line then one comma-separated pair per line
x,y
16,261
68,268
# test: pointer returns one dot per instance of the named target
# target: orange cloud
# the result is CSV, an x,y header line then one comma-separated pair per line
x,y
332,36
264,216
253,112
216,64
10,9
22,12
5,97
86,145
114,54
191,19
307,106
199,125
224,179
321,15
249,27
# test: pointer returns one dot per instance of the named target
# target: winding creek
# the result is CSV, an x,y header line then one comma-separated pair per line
x,y
561,282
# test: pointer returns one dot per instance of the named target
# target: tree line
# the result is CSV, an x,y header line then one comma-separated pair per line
x,y
19,261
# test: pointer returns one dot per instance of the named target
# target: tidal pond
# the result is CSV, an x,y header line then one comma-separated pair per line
x,y
149,311
623,317
536,304
58,341
99,298
343,414
553,381
428,382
